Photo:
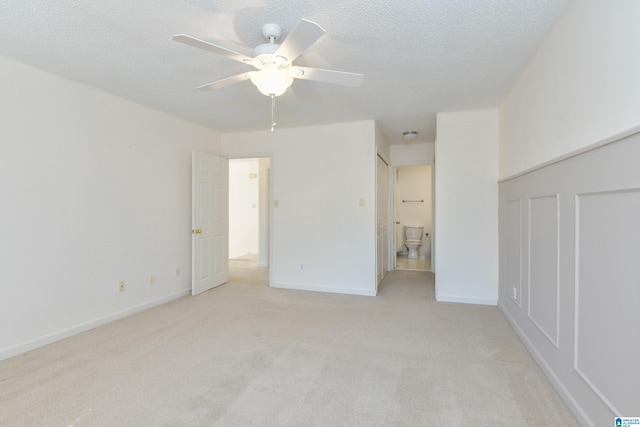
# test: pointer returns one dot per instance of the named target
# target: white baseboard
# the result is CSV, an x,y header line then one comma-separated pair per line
x,y
349,291
564,393
65,333
466,300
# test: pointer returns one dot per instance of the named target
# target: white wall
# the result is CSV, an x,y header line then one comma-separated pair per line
x,y
466,207
243,207
418,153
94,190
581,87
319,174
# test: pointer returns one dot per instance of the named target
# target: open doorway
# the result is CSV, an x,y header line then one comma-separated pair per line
x,y
249,183
413,217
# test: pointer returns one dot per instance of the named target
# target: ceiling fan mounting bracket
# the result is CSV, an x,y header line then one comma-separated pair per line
x,y
271,32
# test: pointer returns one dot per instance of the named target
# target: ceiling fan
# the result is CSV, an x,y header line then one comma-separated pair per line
x,y
274,62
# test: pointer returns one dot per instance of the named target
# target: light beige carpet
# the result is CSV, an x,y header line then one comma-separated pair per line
x,y
244,354
244,261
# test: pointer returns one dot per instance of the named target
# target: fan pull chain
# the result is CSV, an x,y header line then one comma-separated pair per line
x,y
273,106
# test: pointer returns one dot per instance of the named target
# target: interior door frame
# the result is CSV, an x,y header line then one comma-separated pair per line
x,y
264,204
383,265
393,176
269,202
391,181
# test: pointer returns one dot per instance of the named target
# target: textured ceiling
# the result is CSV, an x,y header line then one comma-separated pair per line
x,y
419,57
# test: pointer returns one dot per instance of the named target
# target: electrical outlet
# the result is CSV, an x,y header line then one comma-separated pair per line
x,y
121,286
152,279
515,293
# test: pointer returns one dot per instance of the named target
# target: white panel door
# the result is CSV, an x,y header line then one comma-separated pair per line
x,y
382,219
210,221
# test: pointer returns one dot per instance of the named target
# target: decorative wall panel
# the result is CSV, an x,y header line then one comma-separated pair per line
x,y
544,265
512,284
608,295
578,256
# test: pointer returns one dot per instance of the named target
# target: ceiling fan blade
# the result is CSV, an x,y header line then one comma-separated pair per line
x,y
201,44
327,76
301,37
227,82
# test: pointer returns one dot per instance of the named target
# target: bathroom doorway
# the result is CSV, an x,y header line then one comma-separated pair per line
x,y
413,207
249,187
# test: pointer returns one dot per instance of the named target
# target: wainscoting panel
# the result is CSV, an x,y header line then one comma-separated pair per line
x,y
544,265
570,238
608,294
512,285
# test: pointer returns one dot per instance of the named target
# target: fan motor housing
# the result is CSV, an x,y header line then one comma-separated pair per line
x,y
265,49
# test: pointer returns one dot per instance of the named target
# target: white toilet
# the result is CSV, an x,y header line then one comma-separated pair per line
x,y
413,239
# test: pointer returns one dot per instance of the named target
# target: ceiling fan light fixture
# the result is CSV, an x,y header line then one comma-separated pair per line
x,y
271,82
409,135
274,62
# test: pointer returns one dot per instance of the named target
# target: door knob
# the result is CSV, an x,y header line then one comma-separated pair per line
x,y
196,231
